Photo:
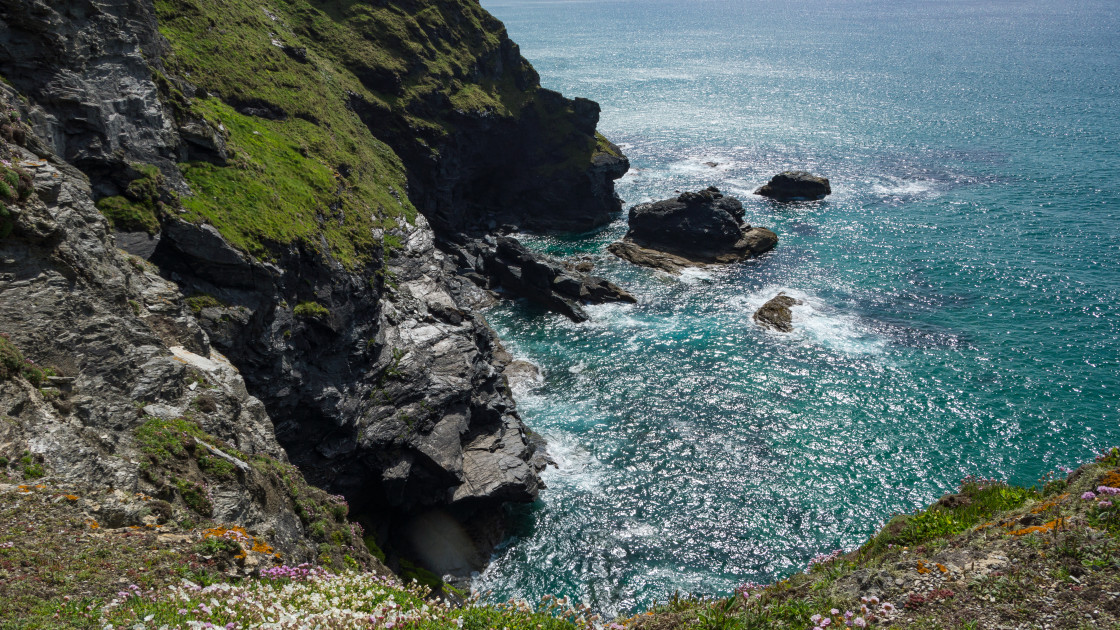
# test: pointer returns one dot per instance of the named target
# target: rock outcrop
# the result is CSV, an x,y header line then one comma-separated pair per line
x,y
795,186
775,314
693,229
334,334
144,415
504,263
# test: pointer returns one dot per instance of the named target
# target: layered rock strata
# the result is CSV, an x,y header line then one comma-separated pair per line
x,y
134,371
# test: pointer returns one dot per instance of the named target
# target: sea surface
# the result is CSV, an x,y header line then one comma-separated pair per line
x,y
961,286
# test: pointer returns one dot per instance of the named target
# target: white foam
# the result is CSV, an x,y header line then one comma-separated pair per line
x,y
895,187
816,322
576,467
694,275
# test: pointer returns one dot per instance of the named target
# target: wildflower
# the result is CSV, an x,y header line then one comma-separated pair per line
x,y
859,622
1104,504
1088,495
1108,490
816,619
888,607
834,611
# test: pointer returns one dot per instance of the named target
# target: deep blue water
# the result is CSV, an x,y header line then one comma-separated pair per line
x,y
962,283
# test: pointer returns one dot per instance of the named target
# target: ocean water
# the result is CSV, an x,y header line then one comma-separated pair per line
x,y
961,286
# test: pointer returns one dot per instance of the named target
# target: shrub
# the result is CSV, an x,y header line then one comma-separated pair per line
x,y
311,310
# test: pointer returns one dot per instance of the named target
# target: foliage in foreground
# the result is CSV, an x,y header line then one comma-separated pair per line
x,y
307,597
991,555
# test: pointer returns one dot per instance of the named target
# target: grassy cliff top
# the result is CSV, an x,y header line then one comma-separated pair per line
x,y
297,85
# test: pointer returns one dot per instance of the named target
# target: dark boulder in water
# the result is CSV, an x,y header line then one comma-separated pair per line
x,y
794,186
776,314
694,229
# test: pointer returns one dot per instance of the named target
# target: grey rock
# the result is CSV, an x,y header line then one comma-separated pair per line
x,y
695,228
128,350
795,186
775,314
504,262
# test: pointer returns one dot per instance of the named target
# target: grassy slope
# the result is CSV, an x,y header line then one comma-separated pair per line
x,y
317,169
990,556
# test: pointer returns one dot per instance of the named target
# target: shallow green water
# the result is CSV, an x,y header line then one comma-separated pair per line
x,y
961,285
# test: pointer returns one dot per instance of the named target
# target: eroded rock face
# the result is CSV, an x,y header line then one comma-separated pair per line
x,y
695,228
776,314
89,66
795,186
131,356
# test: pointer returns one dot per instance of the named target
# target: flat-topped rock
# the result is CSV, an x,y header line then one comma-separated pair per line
x,y
795,186
776,314
692,229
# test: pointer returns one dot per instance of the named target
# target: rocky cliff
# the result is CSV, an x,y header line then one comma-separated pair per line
x,y
281,175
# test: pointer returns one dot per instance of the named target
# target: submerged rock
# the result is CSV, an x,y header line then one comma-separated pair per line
x,y
694,229
776,314
794,186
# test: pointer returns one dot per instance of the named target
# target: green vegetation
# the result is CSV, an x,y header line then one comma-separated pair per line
x,y
139,208
311,171
200,301
56,560
411,572
602,145
311,310
298,86
978,500
990,555
16,184
13,364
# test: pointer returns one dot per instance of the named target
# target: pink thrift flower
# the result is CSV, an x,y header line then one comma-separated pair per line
x,y
859,622
1088,495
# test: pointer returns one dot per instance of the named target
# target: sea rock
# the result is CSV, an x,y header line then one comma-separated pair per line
x,y
776,314
504,262
694,229
795,186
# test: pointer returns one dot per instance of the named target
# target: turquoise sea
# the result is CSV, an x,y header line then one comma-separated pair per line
x,y
961,285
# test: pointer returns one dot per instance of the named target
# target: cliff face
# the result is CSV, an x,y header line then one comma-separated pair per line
x,y
269,160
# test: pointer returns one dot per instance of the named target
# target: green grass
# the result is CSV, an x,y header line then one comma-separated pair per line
x,y
313,172
202,300
311,310
139,208
13,364
315,176
980,501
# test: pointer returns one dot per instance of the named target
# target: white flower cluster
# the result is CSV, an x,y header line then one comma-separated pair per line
x,y
353,600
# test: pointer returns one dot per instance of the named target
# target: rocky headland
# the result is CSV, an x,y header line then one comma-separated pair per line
x,y
694,229
241,253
